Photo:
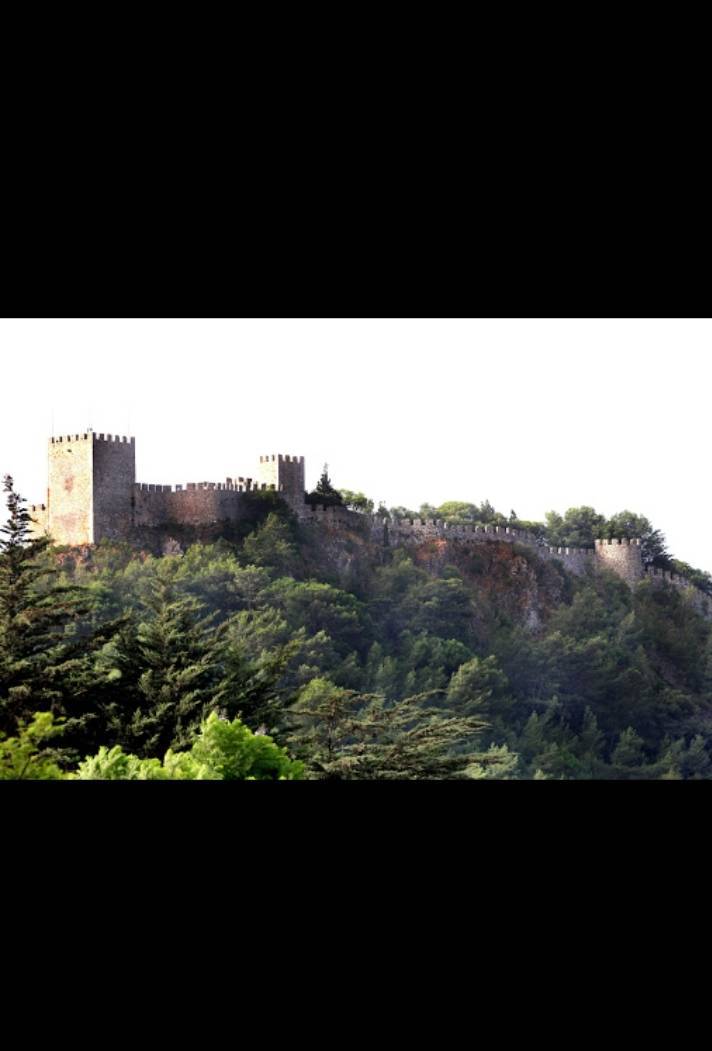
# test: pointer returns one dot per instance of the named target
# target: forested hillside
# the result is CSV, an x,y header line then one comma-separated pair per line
x,y
290,651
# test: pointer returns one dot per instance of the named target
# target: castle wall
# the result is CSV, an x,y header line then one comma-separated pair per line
x,y
319,515
39,519
577,560
114,477
70,499
196,504
623,557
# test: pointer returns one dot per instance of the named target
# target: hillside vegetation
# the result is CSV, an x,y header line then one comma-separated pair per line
x,y
303,652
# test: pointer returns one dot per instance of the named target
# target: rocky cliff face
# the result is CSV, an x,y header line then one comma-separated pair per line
x,y
511,580
507,578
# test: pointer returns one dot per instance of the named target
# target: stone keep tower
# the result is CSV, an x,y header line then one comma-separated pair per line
x,y
286,474
91,488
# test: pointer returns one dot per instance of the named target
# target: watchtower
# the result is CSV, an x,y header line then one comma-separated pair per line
x,y
286,474
91,486
624,557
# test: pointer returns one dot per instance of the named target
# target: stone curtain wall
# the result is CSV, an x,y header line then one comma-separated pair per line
x,y
339,516
195,505
577,559
40,519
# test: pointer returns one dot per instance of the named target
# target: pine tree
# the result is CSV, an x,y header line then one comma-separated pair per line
x,y
164,669
696,764
325,493
590,741
479,687
628,752
344,735
47,639
253,688
272,546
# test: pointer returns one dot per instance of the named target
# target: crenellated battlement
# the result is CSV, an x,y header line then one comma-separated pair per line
x,y
117,438
653,573
92,436
623,542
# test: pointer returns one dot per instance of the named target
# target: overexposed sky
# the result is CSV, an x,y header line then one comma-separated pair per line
x,y
533,415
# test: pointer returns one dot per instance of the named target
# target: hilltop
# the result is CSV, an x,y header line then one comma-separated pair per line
x,y
566,670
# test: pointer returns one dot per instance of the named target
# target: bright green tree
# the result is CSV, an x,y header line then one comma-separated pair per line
x,y
27,757
223,751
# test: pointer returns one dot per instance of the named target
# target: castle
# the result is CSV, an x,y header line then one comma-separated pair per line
x,y
93,495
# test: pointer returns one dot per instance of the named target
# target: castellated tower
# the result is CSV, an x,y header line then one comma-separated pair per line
x,y
286,474
623,557
91,487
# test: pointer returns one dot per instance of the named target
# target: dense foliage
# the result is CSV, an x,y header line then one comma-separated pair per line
x,y
283,655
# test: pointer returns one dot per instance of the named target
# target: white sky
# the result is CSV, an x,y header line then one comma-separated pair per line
x,y
531,414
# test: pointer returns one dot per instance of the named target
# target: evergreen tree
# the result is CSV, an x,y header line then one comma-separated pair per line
x,y
164,669
629,749
479,687
256,689
343,735
696,764
46,636
272,547
325,494
590,742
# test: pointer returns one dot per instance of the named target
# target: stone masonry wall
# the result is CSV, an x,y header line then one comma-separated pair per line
x,y
70,501
285,473
576,559
319,515
193,505
40,519
114,478
624,557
